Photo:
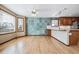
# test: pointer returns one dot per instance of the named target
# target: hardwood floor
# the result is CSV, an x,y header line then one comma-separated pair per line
x,y
37,44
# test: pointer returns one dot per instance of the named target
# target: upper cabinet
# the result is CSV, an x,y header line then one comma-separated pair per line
x,y
66,21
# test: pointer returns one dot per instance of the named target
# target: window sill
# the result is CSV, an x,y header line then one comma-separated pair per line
x,y
5,33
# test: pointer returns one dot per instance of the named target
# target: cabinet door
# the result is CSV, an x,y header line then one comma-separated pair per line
x,y
66,21
73,39
61,21
69,22
49,32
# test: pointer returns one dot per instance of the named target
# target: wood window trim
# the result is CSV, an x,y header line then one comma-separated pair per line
x,y
16,28
7,33
23,18
8,12
15,23
5,9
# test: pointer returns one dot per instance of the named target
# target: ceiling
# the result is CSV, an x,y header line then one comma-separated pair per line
x,y
45,10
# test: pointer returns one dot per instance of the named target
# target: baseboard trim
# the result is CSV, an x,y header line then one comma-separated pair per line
x,y
7,41
11,39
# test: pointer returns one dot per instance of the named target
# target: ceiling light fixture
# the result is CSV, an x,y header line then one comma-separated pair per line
x,y
34,12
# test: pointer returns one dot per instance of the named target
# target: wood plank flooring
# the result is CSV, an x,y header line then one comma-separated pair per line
x,y
37,45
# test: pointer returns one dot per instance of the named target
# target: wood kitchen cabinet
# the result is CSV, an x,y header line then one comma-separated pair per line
x,y
65,21
74,37
49,32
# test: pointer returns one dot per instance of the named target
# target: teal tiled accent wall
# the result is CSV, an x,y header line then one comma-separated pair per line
x,y
37,26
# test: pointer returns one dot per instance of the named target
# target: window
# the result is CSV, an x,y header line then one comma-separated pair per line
x,y
20,24
54,22
7,23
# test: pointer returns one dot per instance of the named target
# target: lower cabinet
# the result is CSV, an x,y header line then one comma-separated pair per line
x,y
74,37
67,37
49,32
62,36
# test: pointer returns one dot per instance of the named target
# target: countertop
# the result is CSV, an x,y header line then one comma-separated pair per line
x,y
75,30
57,28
